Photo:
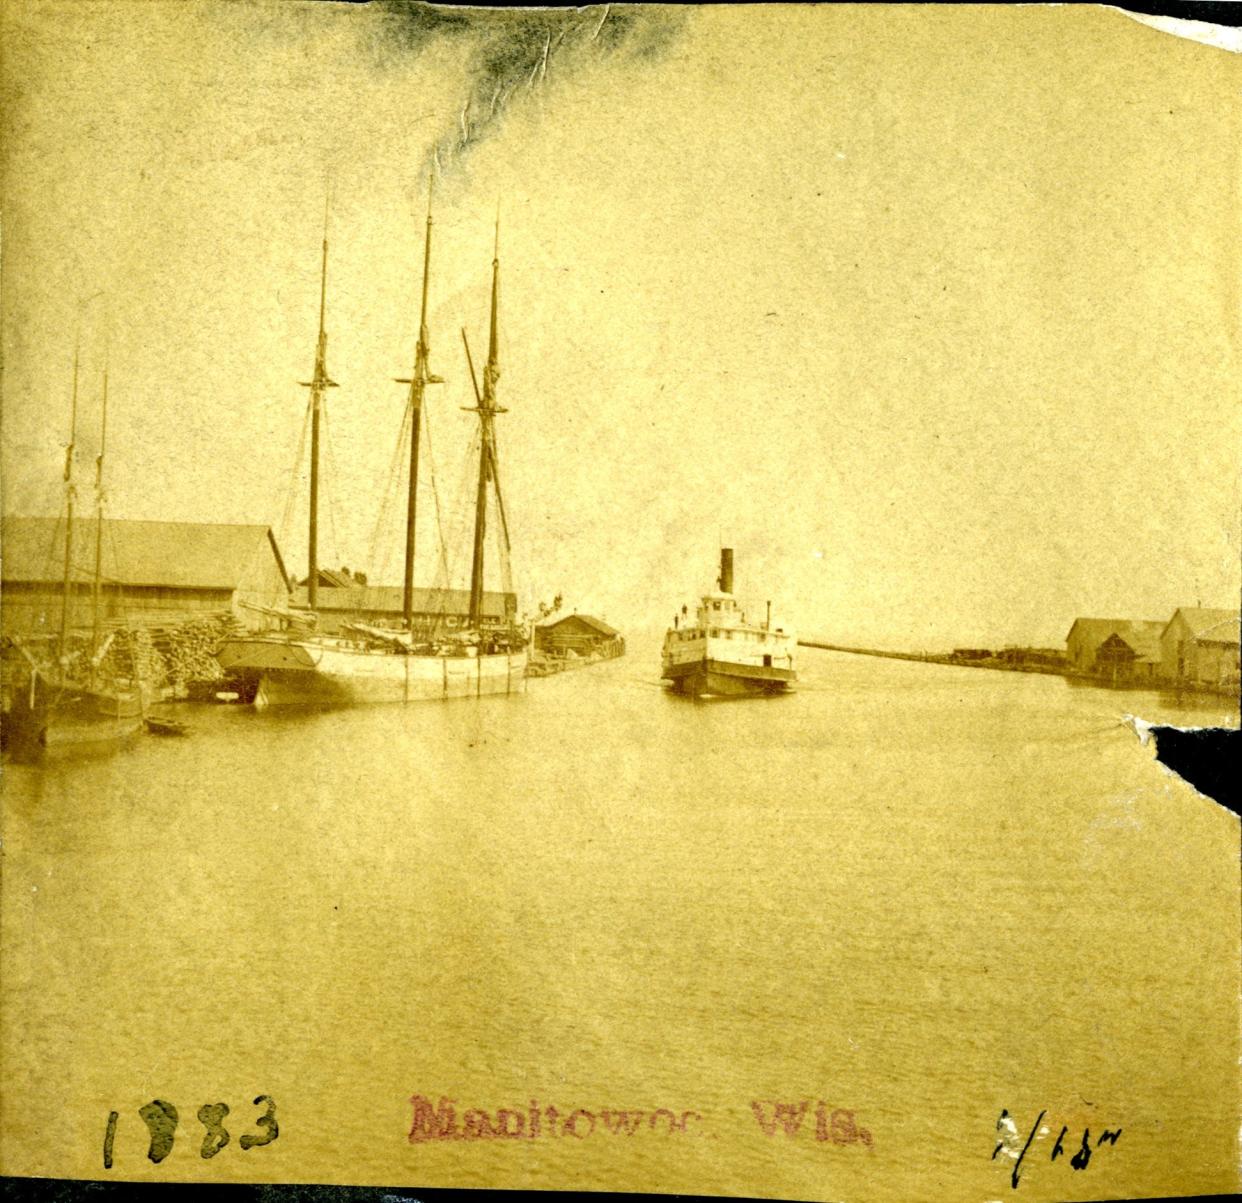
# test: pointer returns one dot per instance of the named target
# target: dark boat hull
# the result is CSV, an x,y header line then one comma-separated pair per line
x,y
73,715
720,678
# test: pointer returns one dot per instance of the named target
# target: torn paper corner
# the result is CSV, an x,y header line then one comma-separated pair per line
x,y
1201,757
1143,729
1222,37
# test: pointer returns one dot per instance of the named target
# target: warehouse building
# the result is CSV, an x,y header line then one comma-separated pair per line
x,y
384,605
151,573
1200,646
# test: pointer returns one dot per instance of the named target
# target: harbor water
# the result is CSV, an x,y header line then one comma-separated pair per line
x,y
938,901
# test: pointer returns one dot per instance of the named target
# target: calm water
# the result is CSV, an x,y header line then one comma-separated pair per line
x,y
921,893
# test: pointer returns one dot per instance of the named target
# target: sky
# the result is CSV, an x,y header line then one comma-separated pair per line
x,y
931,313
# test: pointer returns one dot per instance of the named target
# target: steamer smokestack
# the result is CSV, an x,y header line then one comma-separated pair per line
x,y
726,570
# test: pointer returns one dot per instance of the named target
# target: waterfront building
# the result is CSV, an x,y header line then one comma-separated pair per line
x,y
1199,646
152,573
579,634
1117,647
384,606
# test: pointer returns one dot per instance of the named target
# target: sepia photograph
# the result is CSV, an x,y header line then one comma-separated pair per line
x,y
628,598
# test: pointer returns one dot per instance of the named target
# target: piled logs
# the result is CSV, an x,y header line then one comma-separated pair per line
x,y
176,656
132,654
189,649
177,659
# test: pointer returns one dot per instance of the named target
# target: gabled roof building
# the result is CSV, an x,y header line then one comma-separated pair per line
x,y
582,634
383,605
1118,646
1200,645
150,572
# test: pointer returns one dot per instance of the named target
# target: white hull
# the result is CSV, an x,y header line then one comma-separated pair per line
x,y
332,672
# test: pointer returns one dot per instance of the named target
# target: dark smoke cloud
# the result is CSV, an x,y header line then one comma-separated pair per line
x,y
515,51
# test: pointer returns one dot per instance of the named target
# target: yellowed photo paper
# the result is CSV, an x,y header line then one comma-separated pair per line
x,y
598,598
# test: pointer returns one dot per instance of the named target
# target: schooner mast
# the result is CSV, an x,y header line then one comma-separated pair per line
x,y
99,520
318,384
404,665
418,381
487,409
70,495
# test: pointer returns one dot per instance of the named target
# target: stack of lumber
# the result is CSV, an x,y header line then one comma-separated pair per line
x,y
132,655
174,655
189,649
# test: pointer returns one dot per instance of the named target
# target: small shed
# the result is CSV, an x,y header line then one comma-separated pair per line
x,y
579,634
1051,658
1115,646
1128,659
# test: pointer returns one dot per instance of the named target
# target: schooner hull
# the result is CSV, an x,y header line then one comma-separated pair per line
x,y
297,672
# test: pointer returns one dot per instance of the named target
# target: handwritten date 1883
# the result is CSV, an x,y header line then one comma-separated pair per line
x,y
161,1119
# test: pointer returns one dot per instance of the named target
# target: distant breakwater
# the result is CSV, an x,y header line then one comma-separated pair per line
x,y
926,657
1104,680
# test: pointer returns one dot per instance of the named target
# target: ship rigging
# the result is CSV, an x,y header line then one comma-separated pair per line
x,y
417,660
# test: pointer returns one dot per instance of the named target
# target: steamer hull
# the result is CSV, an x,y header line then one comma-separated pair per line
x,y
720,678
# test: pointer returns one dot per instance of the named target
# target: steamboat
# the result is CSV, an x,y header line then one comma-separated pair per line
x,y
720,654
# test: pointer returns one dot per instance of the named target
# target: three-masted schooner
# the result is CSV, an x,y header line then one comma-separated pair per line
x,y
65,695
370,663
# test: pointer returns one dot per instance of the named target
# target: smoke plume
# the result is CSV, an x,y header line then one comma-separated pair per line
x,y
515,51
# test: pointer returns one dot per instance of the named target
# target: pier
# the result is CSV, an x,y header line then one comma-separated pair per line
x,y
1010,664
1012,660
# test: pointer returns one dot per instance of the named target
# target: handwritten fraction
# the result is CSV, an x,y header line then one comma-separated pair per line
x,y
1079,1160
